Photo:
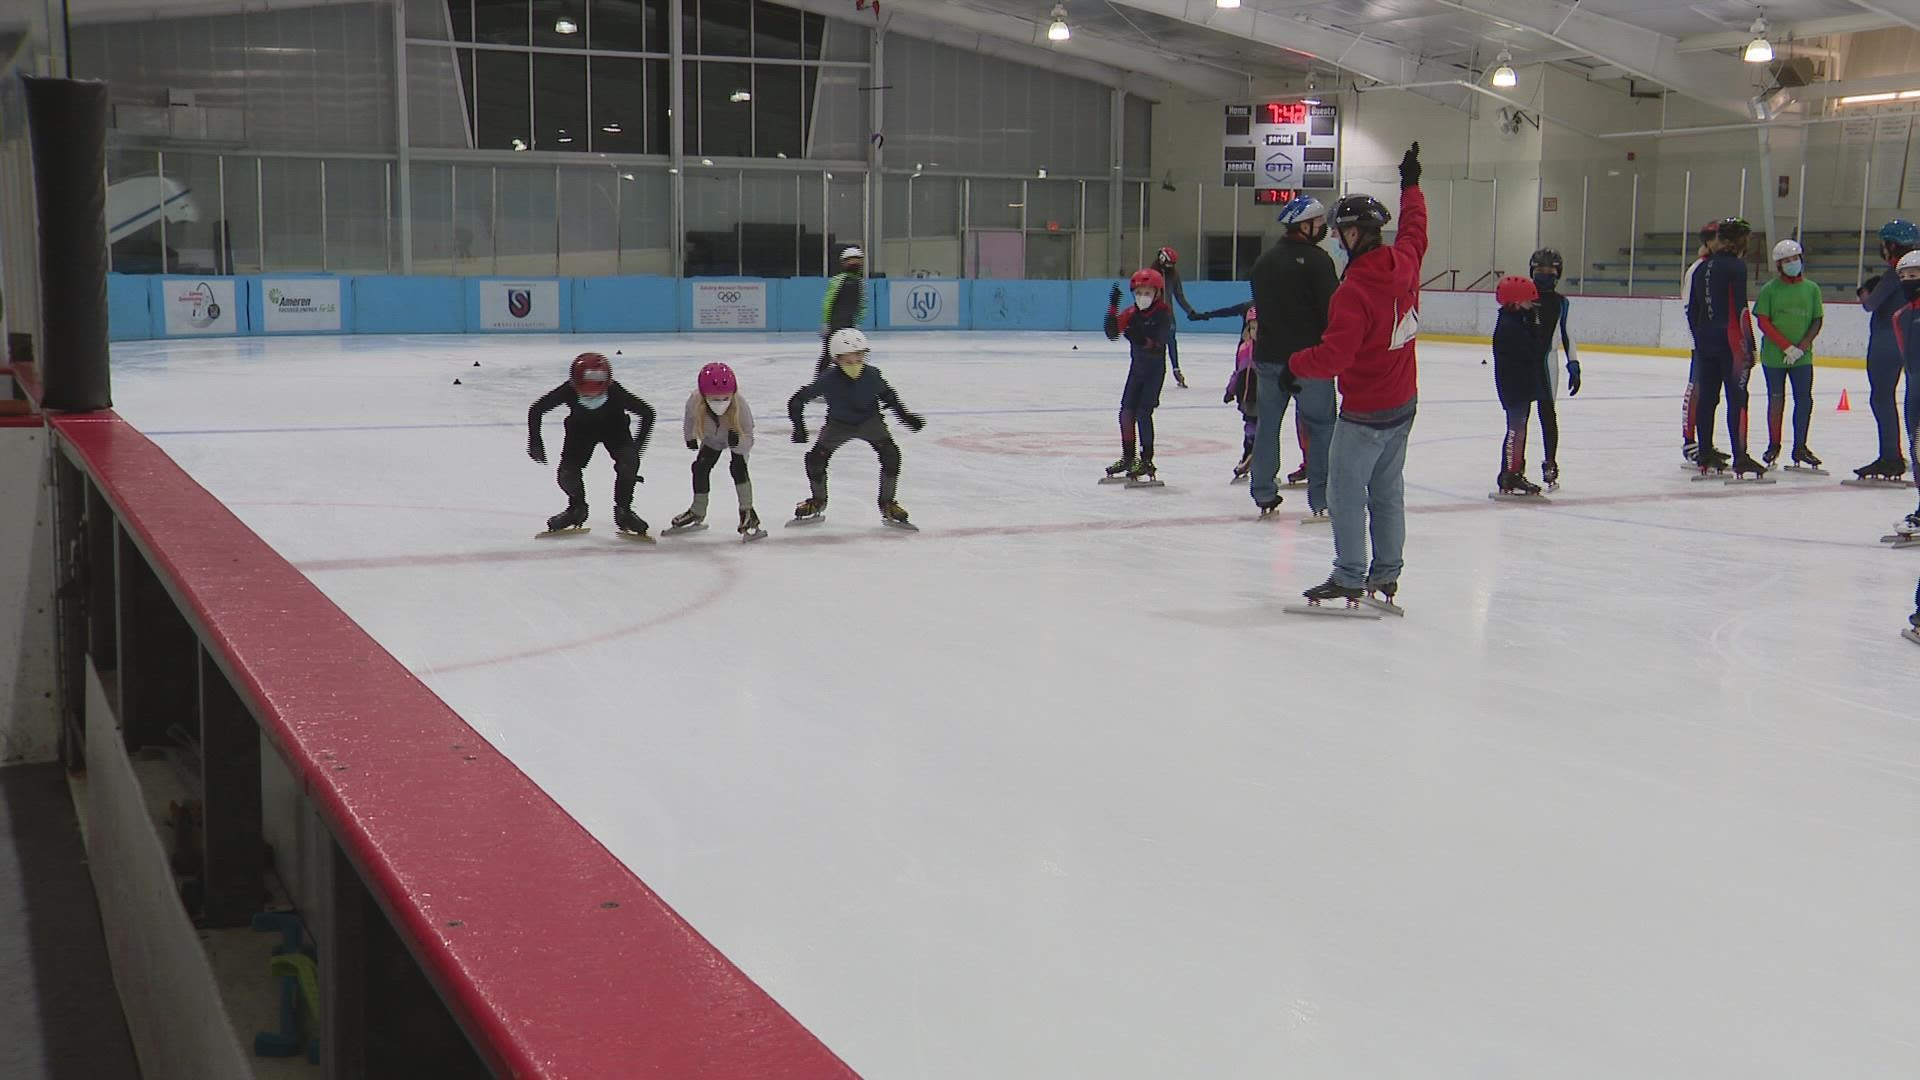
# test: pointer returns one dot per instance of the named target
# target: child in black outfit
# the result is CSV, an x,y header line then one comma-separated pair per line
x,y
1519,376
597,409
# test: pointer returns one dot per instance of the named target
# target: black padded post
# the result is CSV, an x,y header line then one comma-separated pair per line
x,y
67,120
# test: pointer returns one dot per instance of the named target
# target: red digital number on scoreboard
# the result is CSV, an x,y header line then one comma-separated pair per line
x,y
1273,196
1284,112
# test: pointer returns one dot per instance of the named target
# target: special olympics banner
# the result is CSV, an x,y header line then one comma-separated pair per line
x,y
519,305
729,305
924,303
300,304
199,306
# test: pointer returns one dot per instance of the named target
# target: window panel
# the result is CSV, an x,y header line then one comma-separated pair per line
x,y
501,22
713,218
560,24
290,190
528,238
589,222
502,110
619,105
472,239
560,102
769,224
776,31
432,218
356,216
779,98
646,233
726,109
627,25
725,28
461,12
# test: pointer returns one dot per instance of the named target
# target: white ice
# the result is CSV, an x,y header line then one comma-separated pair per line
x,y
1053,789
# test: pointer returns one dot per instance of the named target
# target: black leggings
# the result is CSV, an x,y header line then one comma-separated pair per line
x,y
578,450
1718,368
703,465
833,436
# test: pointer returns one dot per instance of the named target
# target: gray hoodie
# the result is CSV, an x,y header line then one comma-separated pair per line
x,y
711,431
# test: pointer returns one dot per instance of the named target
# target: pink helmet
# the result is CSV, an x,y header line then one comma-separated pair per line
x,y
716,380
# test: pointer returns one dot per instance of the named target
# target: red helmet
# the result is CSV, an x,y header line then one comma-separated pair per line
x,y
1514,291
1148,278
716,380
1169,256
590,375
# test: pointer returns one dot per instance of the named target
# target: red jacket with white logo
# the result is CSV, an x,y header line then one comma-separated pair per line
x,y
1372,324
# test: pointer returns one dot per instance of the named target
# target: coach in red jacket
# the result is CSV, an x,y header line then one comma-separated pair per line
x,y
1369,346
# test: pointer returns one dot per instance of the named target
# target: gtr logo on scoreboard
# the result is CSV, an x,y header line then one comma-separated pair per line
x,y
923,303
1280,168
519,303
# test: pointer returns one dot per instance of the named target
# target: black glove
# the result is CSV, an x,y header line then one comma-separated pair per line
x,y
1573,377
1113,297
537,450
1410,168
799,433
733,438
914,421
693,444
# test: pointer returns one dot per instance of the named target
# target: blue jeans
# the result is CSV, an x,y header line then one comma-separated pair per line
x,y
1367,494
1316,412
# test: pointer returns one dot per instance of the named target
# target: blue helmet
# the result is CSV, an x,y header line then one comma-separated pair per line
x,y
1301,209
1900,233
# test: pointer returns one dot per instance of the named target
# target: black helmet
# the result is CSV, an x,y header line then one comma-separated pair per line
x,y
1733,228
1362,210
1547,257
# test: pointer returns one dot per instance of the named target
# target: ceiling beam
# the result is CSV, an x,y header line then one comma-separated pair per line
x,y
1778,32
1904,12
1322,44
1720,81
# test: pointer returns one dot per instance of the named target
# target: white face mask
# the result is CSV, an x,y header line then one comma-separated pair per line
x,y
1143,300
719,405
593,402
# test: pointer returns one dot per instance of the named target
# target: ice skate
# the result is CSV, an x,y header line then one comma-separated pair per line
x,y
1515,487
1550,474
750,529
894,516
1380,597
1880,473
685,523
1119,472
1268,509
569,522
1317,517
1805,463
1691,452
1771,455
1297,478
1711,464
632,526
1748,471
1332,598
1912,632
809,512
1906,532
1244,469
1144,475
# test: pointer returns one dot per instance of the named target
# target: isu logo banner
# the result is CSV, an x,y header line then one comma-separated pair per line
x,y
519,305
199,305
924,303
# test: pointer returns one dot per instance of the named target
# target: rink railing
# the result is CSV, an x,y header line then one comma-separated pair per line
x,y
144,308
464,924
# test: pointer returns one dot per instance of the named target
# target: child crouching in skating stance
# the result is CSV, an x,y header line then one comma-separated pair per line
x,y
717,420
597,409
1240,391
1146,325
855,393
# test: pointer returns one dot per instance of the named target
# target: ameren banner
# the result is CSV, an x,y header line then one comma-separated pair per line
x,y
519,305
729,305
199,306
311,305
925,303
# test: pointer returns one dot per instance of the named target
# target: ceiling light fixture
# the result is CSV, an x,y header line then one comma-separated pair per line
x,y
1504,76
611,127
1226,5
1875,99
1057,30
1311,98
1759,50
739,96
564,25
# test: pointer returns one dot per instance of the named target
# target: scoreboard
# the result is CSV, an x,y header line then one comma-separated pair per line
x,y
1280,148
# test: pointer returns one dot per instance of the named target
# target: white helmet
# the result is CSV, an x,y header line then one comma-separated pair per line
x,y
1909,261
1787,249
1301,209
850,340
851,253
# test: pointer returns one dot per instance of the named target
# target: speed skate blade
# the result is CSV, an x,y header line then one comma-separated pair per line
x,y
1146,483
676,530
1750,481
1864,482
1114,480
1911,635
1507,496
1317,519
1805,470
750,537
1711,474
638,538
554,534
1336,610
1294,484
1387,606
903,526
1240,480
800,522
1902,540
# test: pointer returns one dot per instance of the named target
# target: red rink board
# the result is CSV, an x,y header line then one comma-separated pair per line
x,y
553,956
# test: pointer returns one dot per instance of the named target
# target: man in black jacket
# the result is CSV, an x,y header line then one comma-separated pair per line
x,y
1293,283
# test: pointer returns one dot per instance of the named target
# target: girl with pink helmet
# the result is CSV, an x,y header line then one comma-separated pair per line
x,y
717,420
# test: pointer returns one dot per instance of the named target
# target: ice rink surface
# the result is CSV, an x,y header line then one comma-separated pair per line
x,y
1053,789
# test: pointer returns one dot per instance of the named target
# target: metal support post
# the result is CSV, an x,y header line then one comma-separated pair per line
x,y
233,853
404,139
1633,234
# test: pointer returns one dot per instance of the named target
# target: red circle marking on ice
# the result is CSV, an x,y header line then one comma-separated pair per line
x,y
1048,443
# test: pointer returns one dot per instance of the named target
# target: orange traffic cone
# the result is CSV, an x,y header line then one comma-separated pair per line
x,y
1844,407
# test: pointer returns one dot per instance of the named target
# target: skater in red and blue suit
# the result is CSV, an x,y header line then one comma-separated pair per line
x,y
1906,333
1148,327
1166,263
1723,338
